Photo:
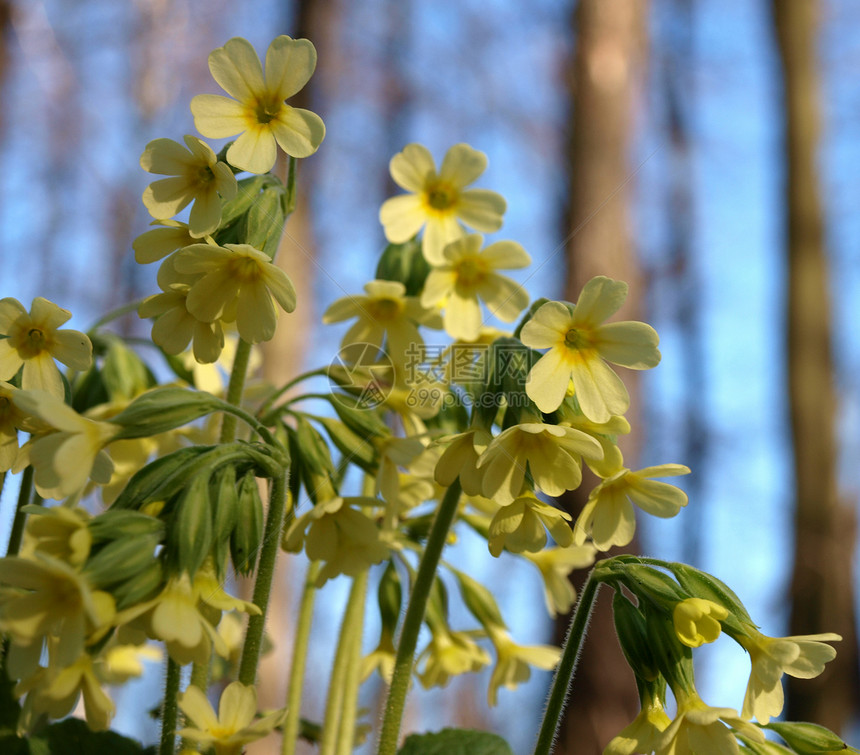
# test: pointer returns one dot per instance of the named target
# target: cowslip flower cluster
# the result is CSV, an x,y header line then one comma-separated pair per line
x,y
416,440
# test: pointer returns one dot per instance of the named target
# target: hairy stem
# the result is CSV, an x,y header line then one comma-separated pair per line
x,y
169,708
405,658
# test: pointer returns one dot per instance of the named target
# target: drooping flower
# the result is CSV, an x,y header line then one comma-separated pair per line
x,y
460,459
521,526
697,621
553,454
580,345
175,327
258,110
608,515
63,459
449,653
236,723
513,662
439,202
468,275
46,597
34,340
11,420
237,282
800,656
555,565
643,734
698,728
385,312
196,176
60,532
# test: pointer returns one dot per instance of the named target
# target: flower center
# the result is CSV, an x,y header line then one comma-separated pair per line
x,y
267,110
441,196
471,271
204,175
245,269
385,309
575,339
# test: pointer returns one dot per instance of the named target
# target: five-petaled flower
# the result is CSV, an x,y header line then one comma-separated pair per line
x,y
439,202
580,345
34,341
196,175
258,111
466,275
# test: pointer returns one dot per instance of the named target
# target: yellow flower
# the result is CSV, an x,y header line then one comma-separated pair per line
x,y
196,176
124,662
59,532
176,617
11,420
342,536
553,455
466,275
234,726
643,734
555,565
258,111
49,598
608,515
59,692
697,621
34,341
460,459
512,664
237,283
174,325
65,459
800,656
439,202
580,345
519,526
699,729
385,312
167,237
449,654
381,659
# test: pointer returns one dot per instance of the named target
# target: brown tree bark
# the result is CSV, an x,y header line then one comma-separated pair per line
x,y
609,39
822,591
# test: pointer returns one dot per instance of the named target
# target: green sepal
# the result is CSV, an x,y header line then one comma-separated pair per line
x,y
479,600
650,584
263,223
703,585
164,409
117,523
120,560
124,373
809,739
673,659
189,537
247,535
404,263
389,596
632,631
355,449
142,586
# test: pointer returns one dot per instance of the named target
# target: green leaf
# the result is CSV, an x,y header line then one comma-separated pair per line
x,y
455,742
72,737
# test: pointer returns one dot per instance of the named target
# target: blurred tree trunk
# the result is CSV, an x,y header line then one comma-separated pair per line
x,y
609,39
822,594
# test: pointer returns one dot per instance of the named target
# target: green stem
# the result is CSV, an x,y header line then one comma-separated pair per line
x,y
352,620
352,679
292,724
200,675
235,389
115,313
17,533
263,585
267,404
169,708
405,659
567,666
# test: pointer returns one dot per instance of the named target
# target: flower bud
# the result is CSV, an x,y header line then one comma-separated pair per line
x,y
404,263
810,739
141,587
248,533
697,621
114,524
190,533
121,560
390,598
353,447
163,409
480,601
633,637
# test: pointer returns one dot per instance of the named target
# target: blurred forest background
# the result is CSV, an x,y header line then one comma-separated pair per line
x,y
706,151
